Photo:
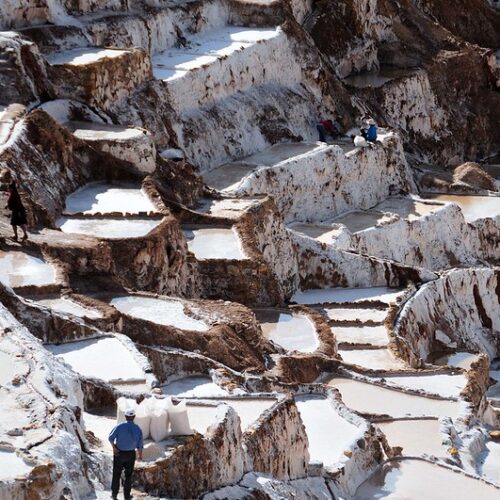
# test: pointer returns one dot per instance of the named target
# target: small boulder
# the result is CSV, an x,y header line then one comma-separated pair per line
x,y
473,175
495,435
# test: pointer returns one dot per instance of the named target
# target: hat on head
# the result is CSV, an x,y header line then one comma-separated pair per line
x,y
371,121
130,413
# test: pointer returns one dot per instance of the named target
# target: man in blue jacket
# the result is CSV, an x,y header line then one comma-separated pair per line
x,y
125,438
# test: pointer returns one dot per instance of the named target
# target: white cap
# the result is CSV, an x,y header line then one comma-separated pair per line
x,y
130,413
371,121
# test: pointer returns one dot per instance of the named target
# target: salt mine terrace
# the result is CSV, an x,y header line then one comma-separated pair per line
x,y
473,207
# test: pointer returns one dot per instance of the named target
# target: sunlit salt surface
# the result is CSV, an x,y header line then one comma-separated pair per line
x,y
82,56
407,208
447,386
64,305
215,243
193,387
489,467
108,198
108,228
373,359
351,314
11,367
201,417
294,332
105,358
473,207
21,269
227,207
329,434
346,295
371,335
321,232
369,398
417,479
93,131
360,220
162,312
416,437
12,466
457,359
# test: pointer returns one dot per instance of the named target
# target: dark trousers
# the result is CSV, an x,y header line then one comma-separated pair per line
x,y
124,460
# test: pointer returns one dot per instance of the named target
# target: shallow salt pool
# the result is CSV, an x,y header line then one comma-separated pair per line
x,y
351,314
105,358
82,56
12,466
417,437
369,398
108,198
458,359
490,462
329,434
64,305
346,295
473,207
162,312
407,208
294,332
10,367
417,479
321,232
20,269
373,359
215,243
108,228
373,335
193,387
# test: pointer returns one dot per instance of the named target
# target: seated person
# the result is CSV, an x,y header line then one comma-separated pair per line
x,y
369,131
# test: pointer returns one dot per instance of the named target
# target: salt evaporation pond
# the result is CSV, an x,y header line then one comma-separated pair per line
x,y
321,232
193,387
490,462
418,479
20,269
359,220
108,198
64,305
215,243
373,399
82,56
162,312
407,208
355,314
372,359
372,335
10,367
201,417
105,358
416,437
458,359
329,434
108,228
346,295
12,466
473,207
447,386
293,332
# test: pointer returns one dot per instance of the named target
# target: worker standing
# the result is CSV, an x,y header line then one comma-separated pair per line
x,y
125,438
15,205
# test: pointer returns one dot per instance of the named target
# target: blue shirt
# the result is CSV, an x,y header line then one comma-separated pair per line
x,y
127,436
372,133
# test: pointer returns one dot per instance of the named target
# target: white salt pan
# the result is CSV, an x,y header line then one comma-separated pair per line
x,y
21,269
417,479
490,462
104,358
372,335
108,198
368,398
108,228
162,312
194,387
373,359
92,131
447,386
294,332
201,417
458,359
82,56
328,433
68,306
363,315
215,243
12,466
473,207
346,295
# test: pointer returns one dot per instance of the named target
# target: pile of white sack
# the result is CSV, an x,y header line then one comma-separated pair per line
x,y
157,418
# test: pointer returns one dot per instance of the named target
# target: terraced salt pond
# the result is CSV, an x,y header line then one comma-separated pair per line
x,y
416,437
355,314
407,208
108,228
215,243
21,269
359,220
162,312
418,479
329,434
346,295
292,331
12,466
445,385
105,358
473,207
362,335
321,232
373,399
93,131
107,198
372,359
82,56
458,359
193,387
489,467
64,305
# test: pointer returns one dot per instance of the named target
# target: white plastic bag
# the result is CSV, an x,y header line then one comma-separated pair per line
x,y
179,420
360,142
159,418
143,417
122,405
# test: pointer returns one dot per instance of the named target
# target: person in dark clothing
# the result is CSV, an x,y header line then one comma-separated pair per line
x,y
325,128
125,438
15,205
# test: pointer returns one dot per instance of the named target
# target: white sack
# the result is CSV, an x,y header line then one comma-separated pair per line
x,y
179,420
